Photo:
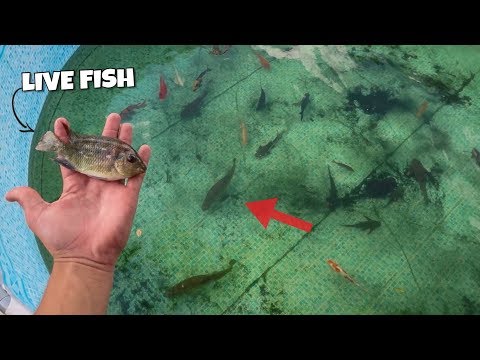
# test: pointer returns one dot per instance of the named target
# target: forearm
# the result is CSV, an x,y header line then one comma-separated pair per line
x,y
77,288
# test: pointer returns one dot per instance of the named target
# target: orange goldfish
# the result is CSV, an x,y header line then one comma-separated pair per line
x,y
342,272
264,62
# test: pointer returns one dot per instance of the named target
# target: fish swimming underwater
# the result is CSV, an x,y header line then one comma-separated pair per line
x,y
265,150
243,133
218,189
421,175
193,108
162,93
198,280
342,272
303,104
476,156
131,108
261,101
198,81
99,157
178,79
369,225
422,109
333,201
264,62
217,50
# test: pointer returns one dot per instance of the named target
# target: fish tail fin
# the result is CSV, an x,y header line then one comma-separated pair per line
x,y
49,142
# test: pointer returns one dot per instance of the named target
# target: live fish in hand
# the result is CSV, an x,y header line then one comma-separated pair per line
x,y
99,157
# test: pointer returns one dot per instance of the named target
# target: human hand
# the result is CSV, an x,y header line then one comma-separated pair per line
x,y
91,221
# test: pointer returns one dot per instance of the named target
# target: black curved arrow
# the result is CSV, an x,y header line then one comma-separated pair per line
x,y
26,128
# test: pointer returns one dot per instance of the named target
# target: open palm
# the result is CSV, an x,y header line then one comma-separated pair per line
x,y
91,220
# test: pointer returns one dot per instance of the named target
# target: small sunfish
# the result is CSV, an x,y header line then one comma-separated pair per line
x,y
261,101
303,104
265,150
99,157
218,189
369,225
192,109
418,171
476,156
198,81
198,280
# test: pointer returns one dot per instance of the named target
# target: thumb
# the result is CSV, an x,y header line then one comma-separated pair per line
x,y
29,200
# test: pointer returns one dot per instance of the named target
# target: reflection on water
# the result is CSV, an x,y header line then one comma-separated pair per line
x,y
372,144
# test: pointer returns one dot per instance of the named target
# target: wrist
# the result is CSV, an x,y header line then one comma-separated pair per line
x,y
84,264
77,286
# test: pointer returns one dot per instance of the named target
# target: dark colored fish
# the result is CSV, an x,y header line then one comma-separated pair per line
x,y
261,101
193,108
476,156
381,187
216,50
198,280
333,200
169,177
198,81
129,109
369,225
217,190
265,150
202,74
303,104
345,166
421,175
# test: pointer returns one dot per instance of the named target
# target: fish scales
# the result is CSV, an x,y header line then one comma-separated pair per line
x,y
96,156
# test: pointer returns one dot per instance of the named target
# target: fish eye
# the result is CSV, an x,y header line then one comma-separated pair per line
x,y
131,158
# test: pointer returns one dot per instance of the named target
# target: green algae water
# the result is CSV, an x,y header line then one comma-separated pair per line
x,y
386,137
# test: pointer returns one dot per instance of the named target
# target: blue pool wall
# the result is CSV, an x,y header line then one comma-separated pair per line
x,y
24,271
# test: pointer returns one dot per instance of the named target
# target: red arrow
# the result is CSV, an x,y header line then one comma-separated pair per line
x,y
264,210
